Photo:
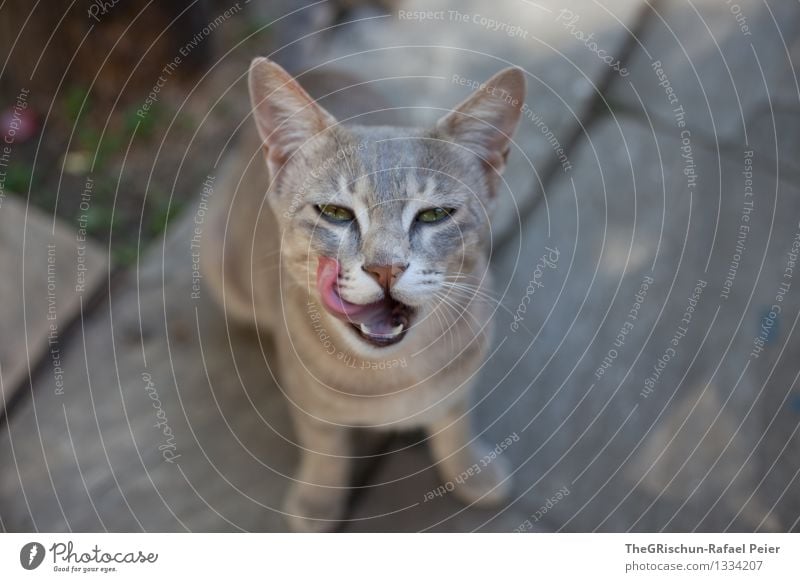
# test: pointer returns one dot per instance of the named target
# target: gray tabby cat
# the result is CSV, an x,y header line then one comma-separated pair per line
x,y
369,266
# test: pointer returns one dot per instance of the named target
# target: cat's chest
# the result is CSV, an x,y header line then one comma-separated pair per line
x,y
405,389
362,398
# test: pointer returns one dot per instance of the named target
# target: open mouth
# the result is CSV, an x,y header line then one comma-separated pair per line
x,y
382,323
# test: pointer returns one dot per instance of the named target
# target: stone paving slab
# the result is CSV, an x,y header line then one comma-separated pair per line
x,y
641,437
42,284
429,55
733,68
168,421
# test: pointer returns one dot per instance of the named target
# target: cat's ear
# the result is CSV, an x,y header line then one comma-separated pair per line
x,y
486,120
285,115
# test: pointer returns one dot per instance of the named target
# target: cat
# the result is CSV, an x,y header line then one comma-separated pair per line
x,y
363,250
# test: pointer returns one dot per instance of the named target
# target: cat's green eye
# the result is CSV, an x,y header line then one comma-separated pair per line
x,y
434,214
335,213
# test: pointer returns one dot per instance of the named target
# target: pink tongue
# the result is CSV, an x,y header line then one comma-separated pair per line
x,y
378,315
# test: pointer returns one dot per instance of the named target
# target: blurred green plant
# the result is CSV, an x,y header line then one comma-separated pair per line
x,y
76,101
100,220
19,177
147,124
124,254
253,29
162,213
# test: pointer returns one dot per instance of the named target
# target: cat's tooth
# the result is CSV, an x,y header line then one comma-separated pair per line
x,y
396,330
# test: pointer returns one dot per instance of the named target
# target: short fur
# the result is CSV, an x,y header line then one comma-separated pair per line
x,y
262,262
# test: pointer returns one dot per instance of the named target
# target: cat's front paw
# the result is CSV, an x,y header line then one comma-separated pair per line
x,y
476,476
314,509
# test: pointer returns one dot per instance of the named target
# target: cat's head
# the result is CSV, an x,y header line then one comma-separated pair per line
x,y
381,223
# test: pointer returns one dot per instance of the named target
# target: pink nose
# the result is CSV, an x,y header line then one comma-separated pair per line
x,y
385,275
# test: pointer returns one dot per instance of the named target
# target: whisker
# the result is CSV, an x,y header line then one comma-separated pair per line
x,y
459,312
463,285
489,299
471,294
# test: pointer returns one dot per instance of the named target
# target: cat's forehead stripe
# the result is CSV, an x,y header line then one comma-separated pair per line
x,y
361,211
430,187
